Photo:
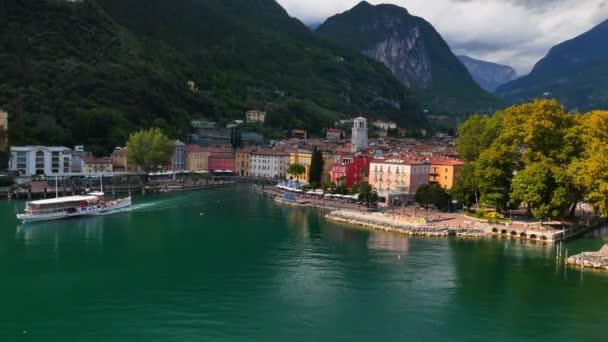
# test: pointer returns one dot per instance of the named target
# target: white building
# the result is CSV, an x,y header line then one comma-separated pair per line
x,y
178,160
269,164
384,125
359,136
40,160
255,116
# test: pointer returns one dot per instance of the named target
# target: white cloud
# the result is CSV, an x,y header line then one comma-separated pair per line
x,y
513,32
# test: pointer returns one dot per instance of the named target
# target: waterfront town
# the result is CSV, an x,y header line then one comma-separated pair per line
x,y
394,167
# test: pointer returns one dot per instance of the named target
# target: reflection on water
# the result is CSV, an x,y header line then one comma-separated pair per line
x,y
597,233
389,242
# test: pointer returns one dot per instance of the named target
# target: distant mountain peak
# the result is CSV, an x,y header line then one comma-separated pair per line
x,y
412,49
575,72
487,74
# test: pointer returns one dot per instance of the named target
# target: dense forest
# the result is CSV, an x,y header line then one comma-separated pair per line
x,y
92,72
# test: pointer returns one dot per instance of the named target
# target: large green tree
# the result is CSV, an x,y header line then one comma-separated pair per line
x,y
466,188
150,149
367,193
433,194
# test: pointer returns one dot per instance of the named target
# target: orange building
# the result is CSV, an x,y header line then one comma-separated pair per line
x,y
444,171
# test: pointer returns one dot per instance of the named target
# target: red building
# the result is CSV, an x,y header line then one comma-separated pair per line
x,y
221,162
351,169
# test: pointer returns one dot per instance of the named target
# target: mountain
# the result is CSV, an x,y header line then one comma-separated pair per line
x,y
488,75
575,72
93,71
413,50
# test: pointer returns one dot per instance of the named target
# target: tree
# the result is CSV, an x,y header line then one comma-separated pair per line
x,y
367,194
494,171
235,138
477,134
316,166
590,172
433,194
150,149
465,189
296,170
544,188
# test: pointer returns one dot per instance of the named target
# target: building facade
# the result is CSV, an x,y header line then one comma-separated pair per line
x,y
397,179
219,162
333,134
384,125
243,161
178,160
40,160
359,137
96,165
350,170
269,164
120,161
255,116
304,158
196,158
444,172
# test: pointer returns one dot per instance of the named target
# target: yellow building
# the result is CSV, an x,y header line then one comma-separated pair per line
x,y
197,158
255,116
243,161
304,158
3,131
95,165
120,162
444,171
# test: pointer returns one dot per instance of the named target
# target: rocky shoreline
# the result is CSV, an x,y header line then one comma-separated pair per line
x,y
389,224
597,260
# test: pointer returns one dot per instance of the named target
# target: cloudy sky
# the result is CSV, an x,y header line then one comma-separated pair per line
x,y
513,32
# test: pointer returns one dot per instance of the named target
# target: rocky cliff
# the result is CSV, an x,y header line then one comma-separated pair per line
x,y
415,53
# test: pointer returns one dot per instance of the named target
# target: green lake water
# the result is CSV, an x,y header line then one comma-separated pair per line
x,y
228,265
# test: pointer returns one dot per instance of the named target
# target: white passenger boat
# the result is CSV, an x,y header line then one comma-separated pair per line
x,y
71,206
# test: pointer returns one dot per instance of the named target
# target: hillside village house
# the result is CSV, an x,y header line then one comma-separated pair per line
x,y
333,134
269,164
384,125
40,160
397,179
96,165
243,161
444,171
255,116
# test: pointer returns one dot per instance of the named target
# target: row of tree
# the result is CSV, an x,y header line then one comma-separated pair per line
x,y
536,155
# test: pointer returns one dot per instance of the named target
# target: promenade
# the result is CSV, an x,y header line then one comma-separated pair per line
x,y
404,224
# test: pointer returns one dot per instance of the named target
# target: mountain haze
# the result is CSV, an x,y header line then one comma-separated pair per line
x,y
488,75
413,50
575,72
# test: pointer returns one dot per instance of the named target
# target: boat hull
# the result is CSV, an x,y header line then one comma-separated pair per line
x,y
105,210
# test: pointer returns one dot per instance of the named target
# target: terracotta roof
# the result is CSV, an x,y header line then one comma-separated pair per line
x,y
270,153
193,148
335,130
398,161
444,161
92,160
221,156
